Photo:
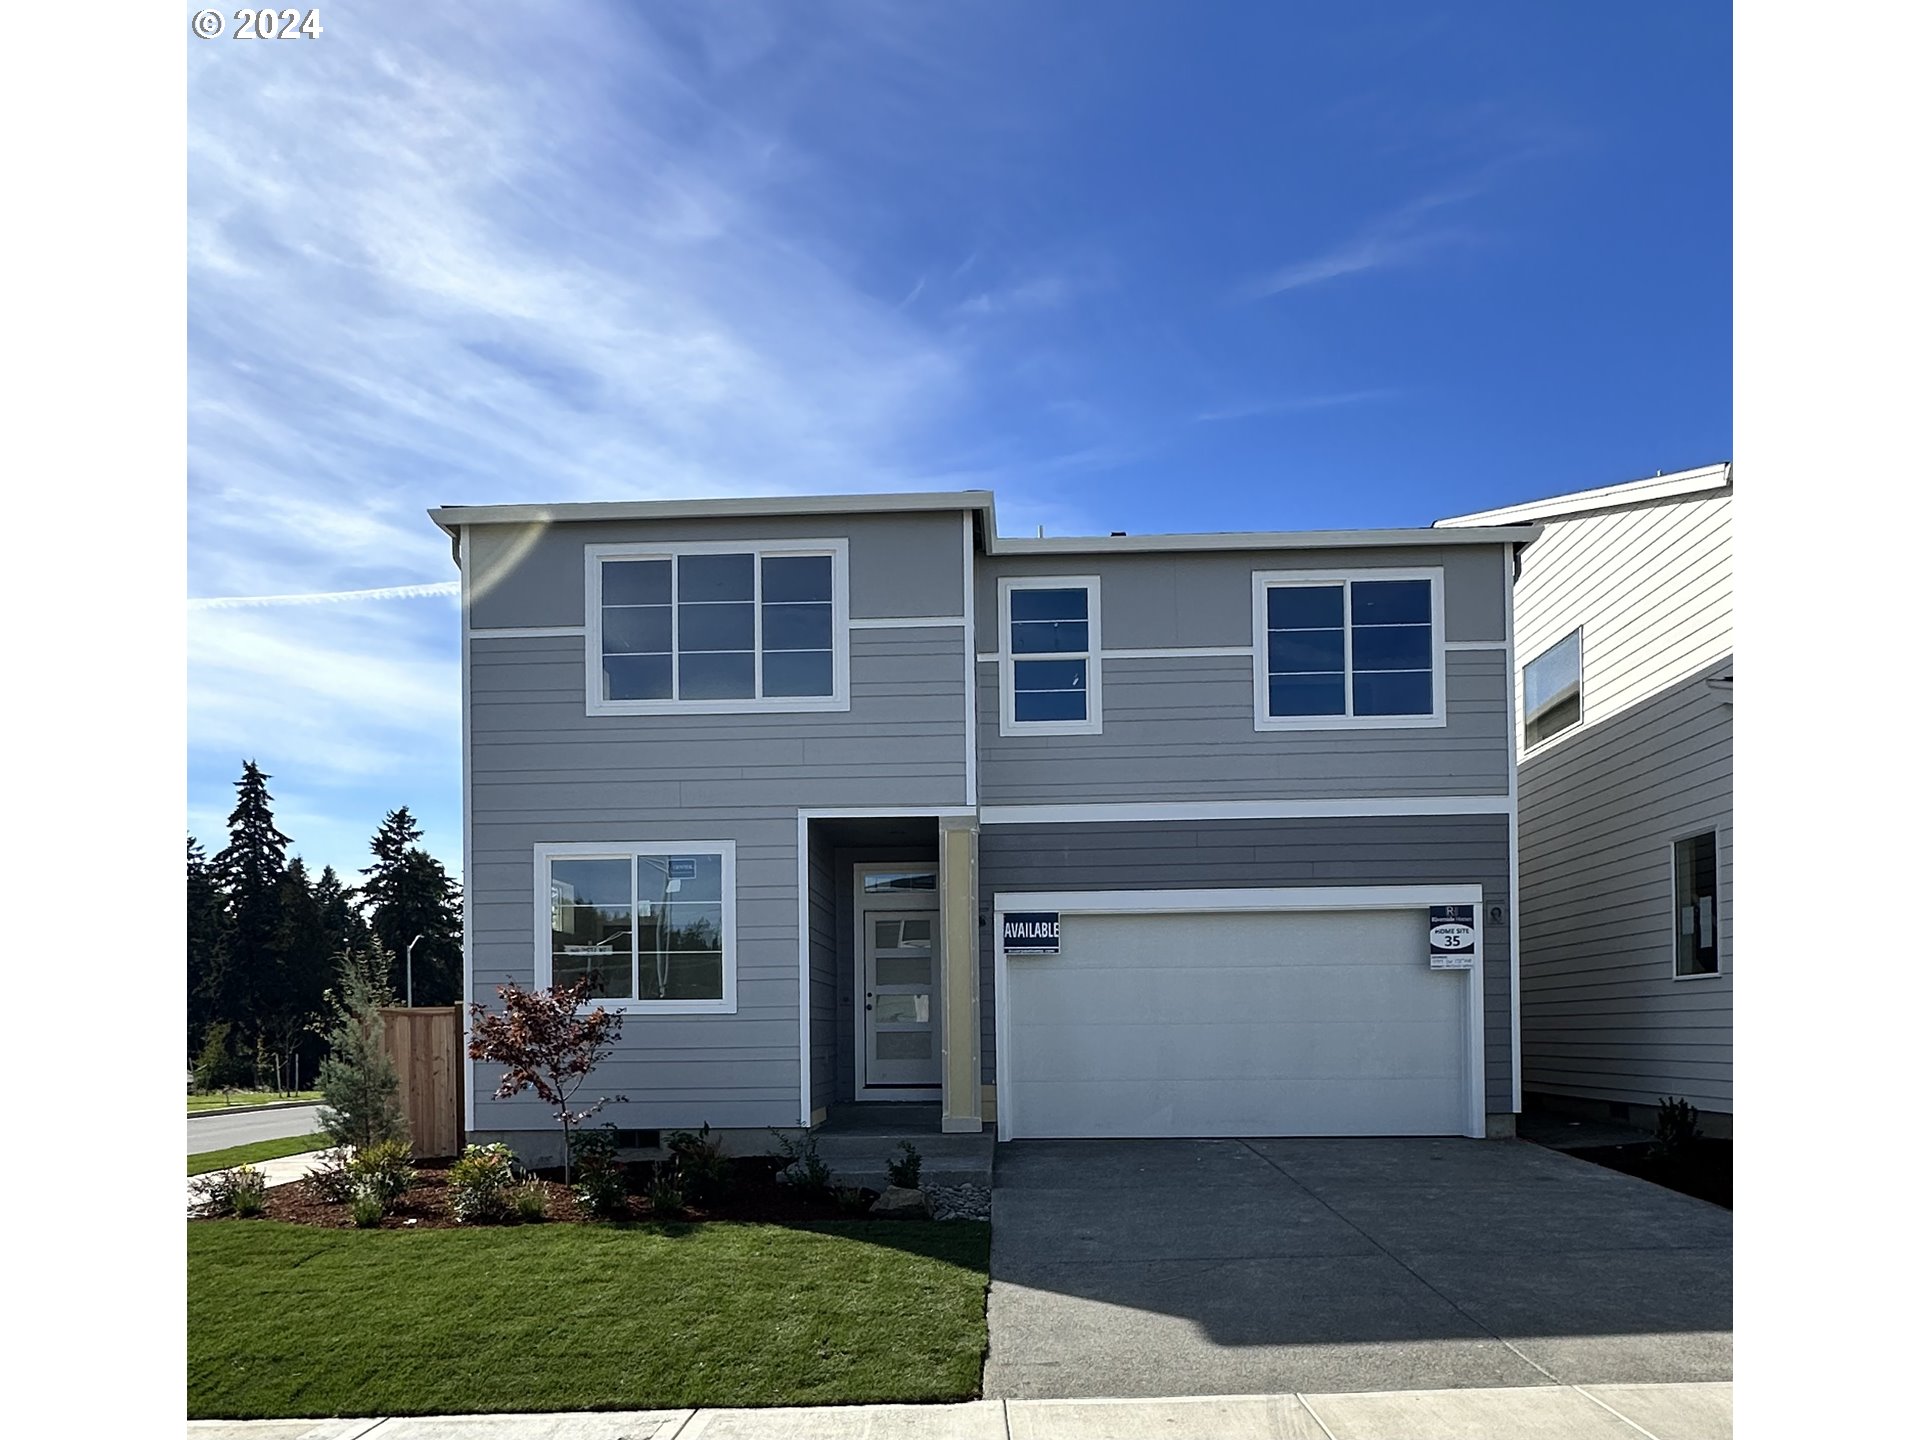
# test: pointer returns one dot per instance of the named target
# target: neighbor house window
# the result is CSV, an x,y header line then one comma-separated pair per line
x,y
647,926
712,628
1338,650
1551,685
1050,655
1696,906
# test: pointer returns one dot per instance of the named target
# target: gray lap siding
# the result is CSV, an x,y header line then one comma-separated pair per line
x,y
1185,855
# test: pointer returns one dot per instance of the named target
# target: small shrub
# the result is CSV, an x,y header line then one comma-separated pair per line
x,y
368,1209
384,1170
599,1183
805,1171
905,1172
478,1182
530,1201
1676,1128
666,1192
241,1191
706,1172
852,1198
331,1177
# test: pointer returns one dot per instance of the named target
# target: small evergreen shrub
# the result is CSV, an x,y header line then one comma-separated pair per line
x,y
368,1211
358,1084
478,1184
530,1201
905,1172
805,1171
1676,1128
705,1171
331,1176
599,1182
384,1170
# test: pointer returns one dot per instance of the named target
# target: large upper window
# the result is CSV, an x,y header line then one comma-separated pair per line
x,y
1050,654
649,927
1551,683
1340,650
1696,906
714,627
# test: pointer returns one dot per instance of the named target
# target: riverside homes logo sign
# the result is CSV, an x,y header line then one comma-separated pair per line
x,y
1030,932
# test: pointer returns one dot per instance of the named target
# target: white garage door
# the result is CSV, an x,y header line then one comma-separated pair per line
x,y
1236,1023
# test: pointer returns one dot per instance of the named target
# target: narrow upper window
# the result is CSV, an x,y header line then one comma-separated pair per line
x,y
1050,652
1696,906
648,927
1551,682
1341,650
714,628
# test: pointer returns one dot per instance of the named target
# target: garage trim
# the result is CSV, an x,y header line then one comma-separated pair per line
x,y
1174,902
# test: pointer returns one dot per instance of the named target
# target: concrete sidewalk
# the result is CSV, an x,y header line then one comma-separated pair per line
x,y
1702,1411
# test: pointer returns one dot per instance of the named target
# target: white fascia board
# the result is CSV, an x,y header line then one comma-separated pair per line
x,y
1606,497
1288,897
451,517
1261,540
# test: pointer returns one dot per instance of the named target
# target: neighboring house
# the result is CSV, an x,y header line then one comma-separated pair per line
x,y
1623,624
803,784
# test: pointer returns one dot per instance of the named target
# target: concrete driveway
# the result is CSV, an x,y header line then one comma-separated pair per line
x,y
1197,1267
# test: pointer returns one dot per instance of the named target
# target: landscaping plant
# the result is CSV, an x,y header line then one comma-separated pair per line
x,y
368,1210
545,1043
384,1170
600,1184
805,1171
665,1192
1676,1128
905,1172
241,1191
705,1170
529,1201
478,1184
332,1175
357,1080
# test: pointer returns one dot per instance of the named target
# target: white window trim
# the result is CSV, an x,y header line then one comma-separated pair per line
x,y
840,699
1580,693
545,853
1092,724
1719,972
1263,579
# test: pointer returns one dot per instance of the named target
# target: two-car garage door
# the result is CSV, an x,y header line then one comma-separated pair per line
x,y
1236,1022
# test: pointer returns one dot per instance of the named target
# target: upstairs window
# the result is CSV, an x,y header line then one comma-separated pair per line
x,y
717,628
1338,650
1050,655
1551,690
1696,906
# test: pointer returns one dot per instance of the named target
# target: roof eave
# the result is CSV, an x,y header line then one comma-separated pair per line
x,y
1605,497
1263,540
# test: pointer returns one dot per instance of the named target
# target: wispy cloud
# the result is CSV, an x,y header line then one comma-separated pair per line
x,y
1293,405
1412,232
329,597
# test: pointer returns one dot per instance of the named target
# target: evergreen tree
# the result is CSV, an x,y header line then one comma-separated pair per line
x,y
203,944
294,989
408,893
339,921
358,1083
249,872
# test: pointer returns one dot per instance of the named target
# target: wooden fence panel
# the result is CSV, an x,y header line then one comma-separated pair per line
x,y
424,1045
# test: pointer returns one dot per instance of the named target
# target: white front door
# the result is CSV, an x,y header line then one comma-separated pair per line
x,y
901,971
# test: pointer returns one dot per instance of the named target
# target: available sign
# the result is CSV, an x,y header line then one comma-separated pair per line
x,y
1453,933
1030,932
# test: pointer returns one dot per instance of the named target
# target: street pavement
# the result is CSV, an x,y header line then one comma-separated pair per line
x,y
217,1132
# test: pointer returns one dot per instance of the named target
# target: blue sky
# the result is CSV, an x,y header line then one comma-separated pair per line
x,y
1133,267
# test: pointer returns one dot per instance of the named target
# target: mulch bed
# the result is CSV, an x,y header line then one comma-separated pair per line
x,y
752,1195
1705,1174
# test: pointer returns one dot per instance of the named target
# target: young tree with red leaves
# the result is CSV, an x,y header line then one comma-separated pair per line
x,y
545,1043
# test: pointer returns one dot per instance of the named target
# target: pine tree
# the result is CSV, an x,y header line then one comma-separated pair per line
x,y
408,893
249,872
293,995
360,1090
203,944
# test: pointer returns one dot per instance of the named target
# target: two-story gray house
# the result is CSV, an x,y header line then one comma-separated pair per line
x,y
1624,631
850,800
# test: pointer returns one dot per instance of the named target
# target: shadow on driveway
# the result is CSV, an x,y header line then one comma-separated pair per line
x,y
1189,1267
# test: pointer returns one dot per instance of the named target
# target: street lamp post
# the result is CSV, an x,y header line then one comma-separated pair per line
x,y
410,944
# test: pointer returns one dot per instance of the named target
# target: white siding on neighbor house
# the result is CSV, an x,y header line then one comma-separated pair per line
x,y
1602,1017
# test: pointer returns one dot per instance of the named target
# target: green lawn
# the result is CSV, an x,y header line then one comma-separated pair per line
x,y
221,1099
294,1320
252,1154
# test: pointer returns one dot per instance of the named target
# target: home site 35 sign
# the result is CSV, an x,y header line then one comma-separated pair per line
x,y
1030,932
1453,933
